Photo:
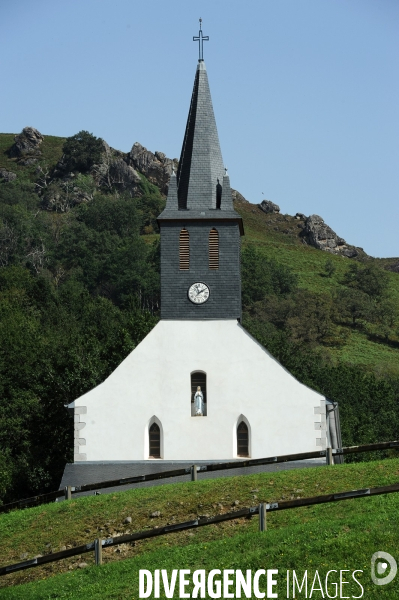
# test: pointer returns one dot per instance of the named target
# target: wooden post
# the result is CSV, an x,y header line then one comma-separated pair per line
x,y
194,473
329,456
68,492
262,517
98,551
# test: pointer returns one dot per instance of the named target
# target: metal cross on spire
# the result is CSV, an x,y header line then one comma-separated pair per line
x,y
201,39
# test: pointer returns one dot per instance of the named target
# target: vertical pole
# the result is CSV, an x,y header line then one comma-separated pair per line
x,y
329,456
98,551
194,473
262,516
68,492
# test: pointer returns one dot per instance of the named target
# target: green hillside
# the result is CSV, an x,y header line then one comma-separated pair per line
x,y
278,237
338,536
79,289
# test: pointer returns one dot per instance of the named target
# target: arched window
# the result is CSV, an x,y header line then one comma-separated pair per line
x,y
154,441
184,250
198,405
213,249
242,439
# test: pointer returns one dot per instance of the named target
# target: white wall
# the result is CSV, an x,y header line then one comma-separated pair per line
x,y
112,420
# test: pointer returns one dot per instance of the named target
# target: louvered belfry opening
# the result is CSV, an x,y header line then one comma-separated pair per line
x,y
213,249
198,378
155,441
184,250
242,440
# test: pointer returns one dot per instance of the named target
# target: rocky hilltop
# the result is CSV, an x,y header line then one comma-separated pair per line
x,y
316,232
121,171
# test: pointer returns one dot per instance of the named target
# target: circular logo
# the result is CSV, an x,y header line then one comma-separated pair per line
x,y
381,568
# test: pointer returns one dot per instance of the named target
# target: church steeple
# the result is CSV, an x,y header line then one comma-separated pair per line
x,y
201,169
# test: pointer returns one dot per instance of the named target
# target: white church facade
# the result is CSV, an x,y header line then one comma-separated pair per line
x,y
155,385
199,387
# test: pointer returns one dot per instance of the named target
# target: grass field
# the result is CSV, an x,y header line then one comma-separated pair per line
x,y
336,536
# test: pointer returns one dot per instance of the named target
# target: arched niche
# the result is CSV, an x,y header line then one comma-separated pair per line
x,y
198,379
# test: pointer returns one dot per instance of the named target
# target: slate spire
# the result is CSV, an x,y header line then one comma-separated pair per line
x,y
200,173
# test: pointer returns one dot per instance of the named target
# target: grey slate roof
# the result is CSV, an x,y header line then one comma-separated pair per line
x,y
201,175
201,164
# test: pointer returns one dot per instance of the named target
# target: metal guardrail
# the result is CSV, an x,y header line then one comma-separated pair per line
x,y
33,501
237,464
260,510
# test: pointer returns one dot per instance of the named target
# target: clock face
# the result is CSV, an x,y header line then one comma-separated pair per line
x,y
198,293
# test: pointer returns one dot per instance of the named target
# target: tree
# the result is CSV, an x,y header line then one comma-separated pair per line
x,y
370,280
82,151
309,320
353,304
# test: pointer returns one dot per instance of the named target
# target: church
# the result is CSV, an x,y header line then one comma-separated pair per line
x,y
199,387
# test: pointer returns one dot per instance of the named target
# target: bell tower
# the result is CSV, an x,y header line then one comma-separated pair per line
x,y
200,230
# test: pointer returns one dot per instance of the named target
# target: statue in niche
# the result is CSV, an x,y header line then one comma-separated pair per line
x,y
199,402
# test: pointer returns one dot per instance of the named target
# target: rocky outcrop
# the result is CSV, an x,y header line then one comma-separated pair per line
x,y
321,236
26,144
157,168
114,172
269,207
123,174
7,175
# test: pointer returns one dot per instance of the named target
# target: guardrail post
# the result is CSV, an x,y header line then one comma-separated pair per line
x,y
329,456
194,473
68,492
98,551
262,517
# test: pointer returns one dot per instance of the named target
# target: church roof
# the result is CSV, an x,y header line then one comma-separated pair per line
x,y
201,188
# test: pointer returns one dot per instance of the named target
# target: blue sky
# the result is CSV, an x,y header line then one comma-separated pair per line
x,y
305,92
